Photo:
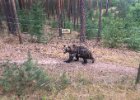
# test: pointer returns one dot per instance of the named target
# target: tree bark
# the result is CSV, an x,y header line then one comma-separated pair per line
x,y
17,21
9,14
82,21
59,18
0,15
21,6
100,22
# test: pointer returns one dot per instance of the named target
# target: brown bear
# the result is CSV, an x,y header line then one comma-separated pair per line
x,y
78,52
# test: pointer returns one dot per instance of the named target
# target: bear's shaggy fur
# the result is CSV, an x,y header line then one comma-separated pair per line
x,y
78,52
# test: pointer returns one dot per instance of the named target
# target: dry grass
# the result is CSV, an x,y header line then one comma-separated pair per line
x,y
122,57
87,86
97,92
78,91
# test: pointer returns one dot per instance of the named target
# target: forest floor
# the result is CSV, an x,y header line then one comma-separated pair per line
x,y
112,66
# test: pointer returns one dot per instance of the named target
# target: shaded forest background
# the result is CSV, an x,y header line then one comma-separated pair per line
x,y
115,22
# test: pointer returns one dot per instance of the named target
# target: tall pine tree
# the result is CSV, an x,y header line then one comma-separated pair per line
x,y
82,21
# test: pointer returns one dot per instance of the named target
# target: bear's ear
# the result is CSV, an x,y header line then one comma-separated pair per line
x,y
69,47
74,45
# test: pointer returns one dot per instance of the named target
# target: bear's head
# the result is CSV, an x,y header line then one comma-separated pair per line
x,y
67,49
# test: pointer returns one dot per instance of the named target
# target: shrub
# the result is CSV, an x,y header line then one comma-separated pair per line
x,y
54,24
68,24
133,42
133,25
135,13
91,29
114,32
27,77
32,20
24,20
37,20
91,25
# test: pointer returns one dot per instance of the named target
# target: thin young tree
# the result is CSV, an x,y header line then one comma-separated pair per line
x,y
107,6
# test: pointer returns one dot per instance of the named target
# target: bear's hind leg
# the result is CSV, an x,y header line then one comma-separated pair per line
x,y
93,60
85,61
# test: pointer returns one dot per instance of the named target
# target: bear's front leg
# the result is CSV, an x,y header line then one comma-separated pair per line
x,y
77,57
70,58
85,61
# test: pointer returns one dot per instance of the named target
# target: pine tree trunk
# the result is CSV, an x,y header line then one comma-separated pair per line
x,y
74,15
60,24
0,24
20,4
16,20
82,21
9,14
100,22
0,15
59,18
